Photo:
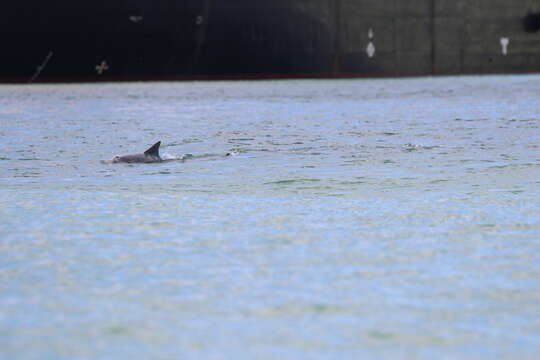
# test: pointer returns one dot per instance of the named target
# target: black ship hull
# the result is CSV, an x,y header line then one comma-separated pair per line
x,y
62,40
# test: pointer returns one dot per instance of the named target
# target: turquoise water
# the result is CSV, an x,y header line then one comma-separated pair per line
x,y
355,219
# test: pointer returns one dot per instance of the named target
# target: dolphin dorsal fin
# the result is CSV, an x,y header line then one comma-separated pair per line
x,y
153,150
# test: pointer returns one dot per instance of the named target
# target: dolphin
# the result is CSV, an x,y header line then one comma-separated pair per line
x,y
149,156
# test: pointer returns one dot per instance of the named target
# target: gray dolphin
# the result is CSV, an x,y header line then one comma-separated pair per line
x,y
149,156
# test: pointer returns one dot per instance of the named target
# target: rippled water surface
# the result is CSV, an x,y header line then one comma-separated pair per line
x,y
375,219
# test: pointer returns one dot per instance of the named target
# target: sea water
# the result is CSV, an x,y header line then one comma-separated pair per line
x,y
354,219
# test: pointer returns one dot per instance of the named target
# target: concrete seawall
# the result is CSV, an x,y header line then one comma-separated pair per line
x,y
438,36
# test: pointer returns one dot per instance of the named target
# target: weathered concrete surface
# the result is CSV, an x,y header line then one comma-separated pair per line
x,y
440,36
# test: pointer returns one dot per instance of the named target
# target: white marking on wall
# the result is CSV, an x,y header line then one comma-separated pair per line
x,y
370,48
135,18
504,45
101,68
199,20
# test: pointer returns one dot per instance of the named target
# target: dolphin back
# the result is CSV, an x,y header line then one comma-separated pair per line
x,y
153,150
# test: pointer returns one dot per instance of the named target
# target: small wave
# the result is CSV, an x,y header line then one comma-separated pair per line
x,y
242,139
415,147
32,159
292,181
170,157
